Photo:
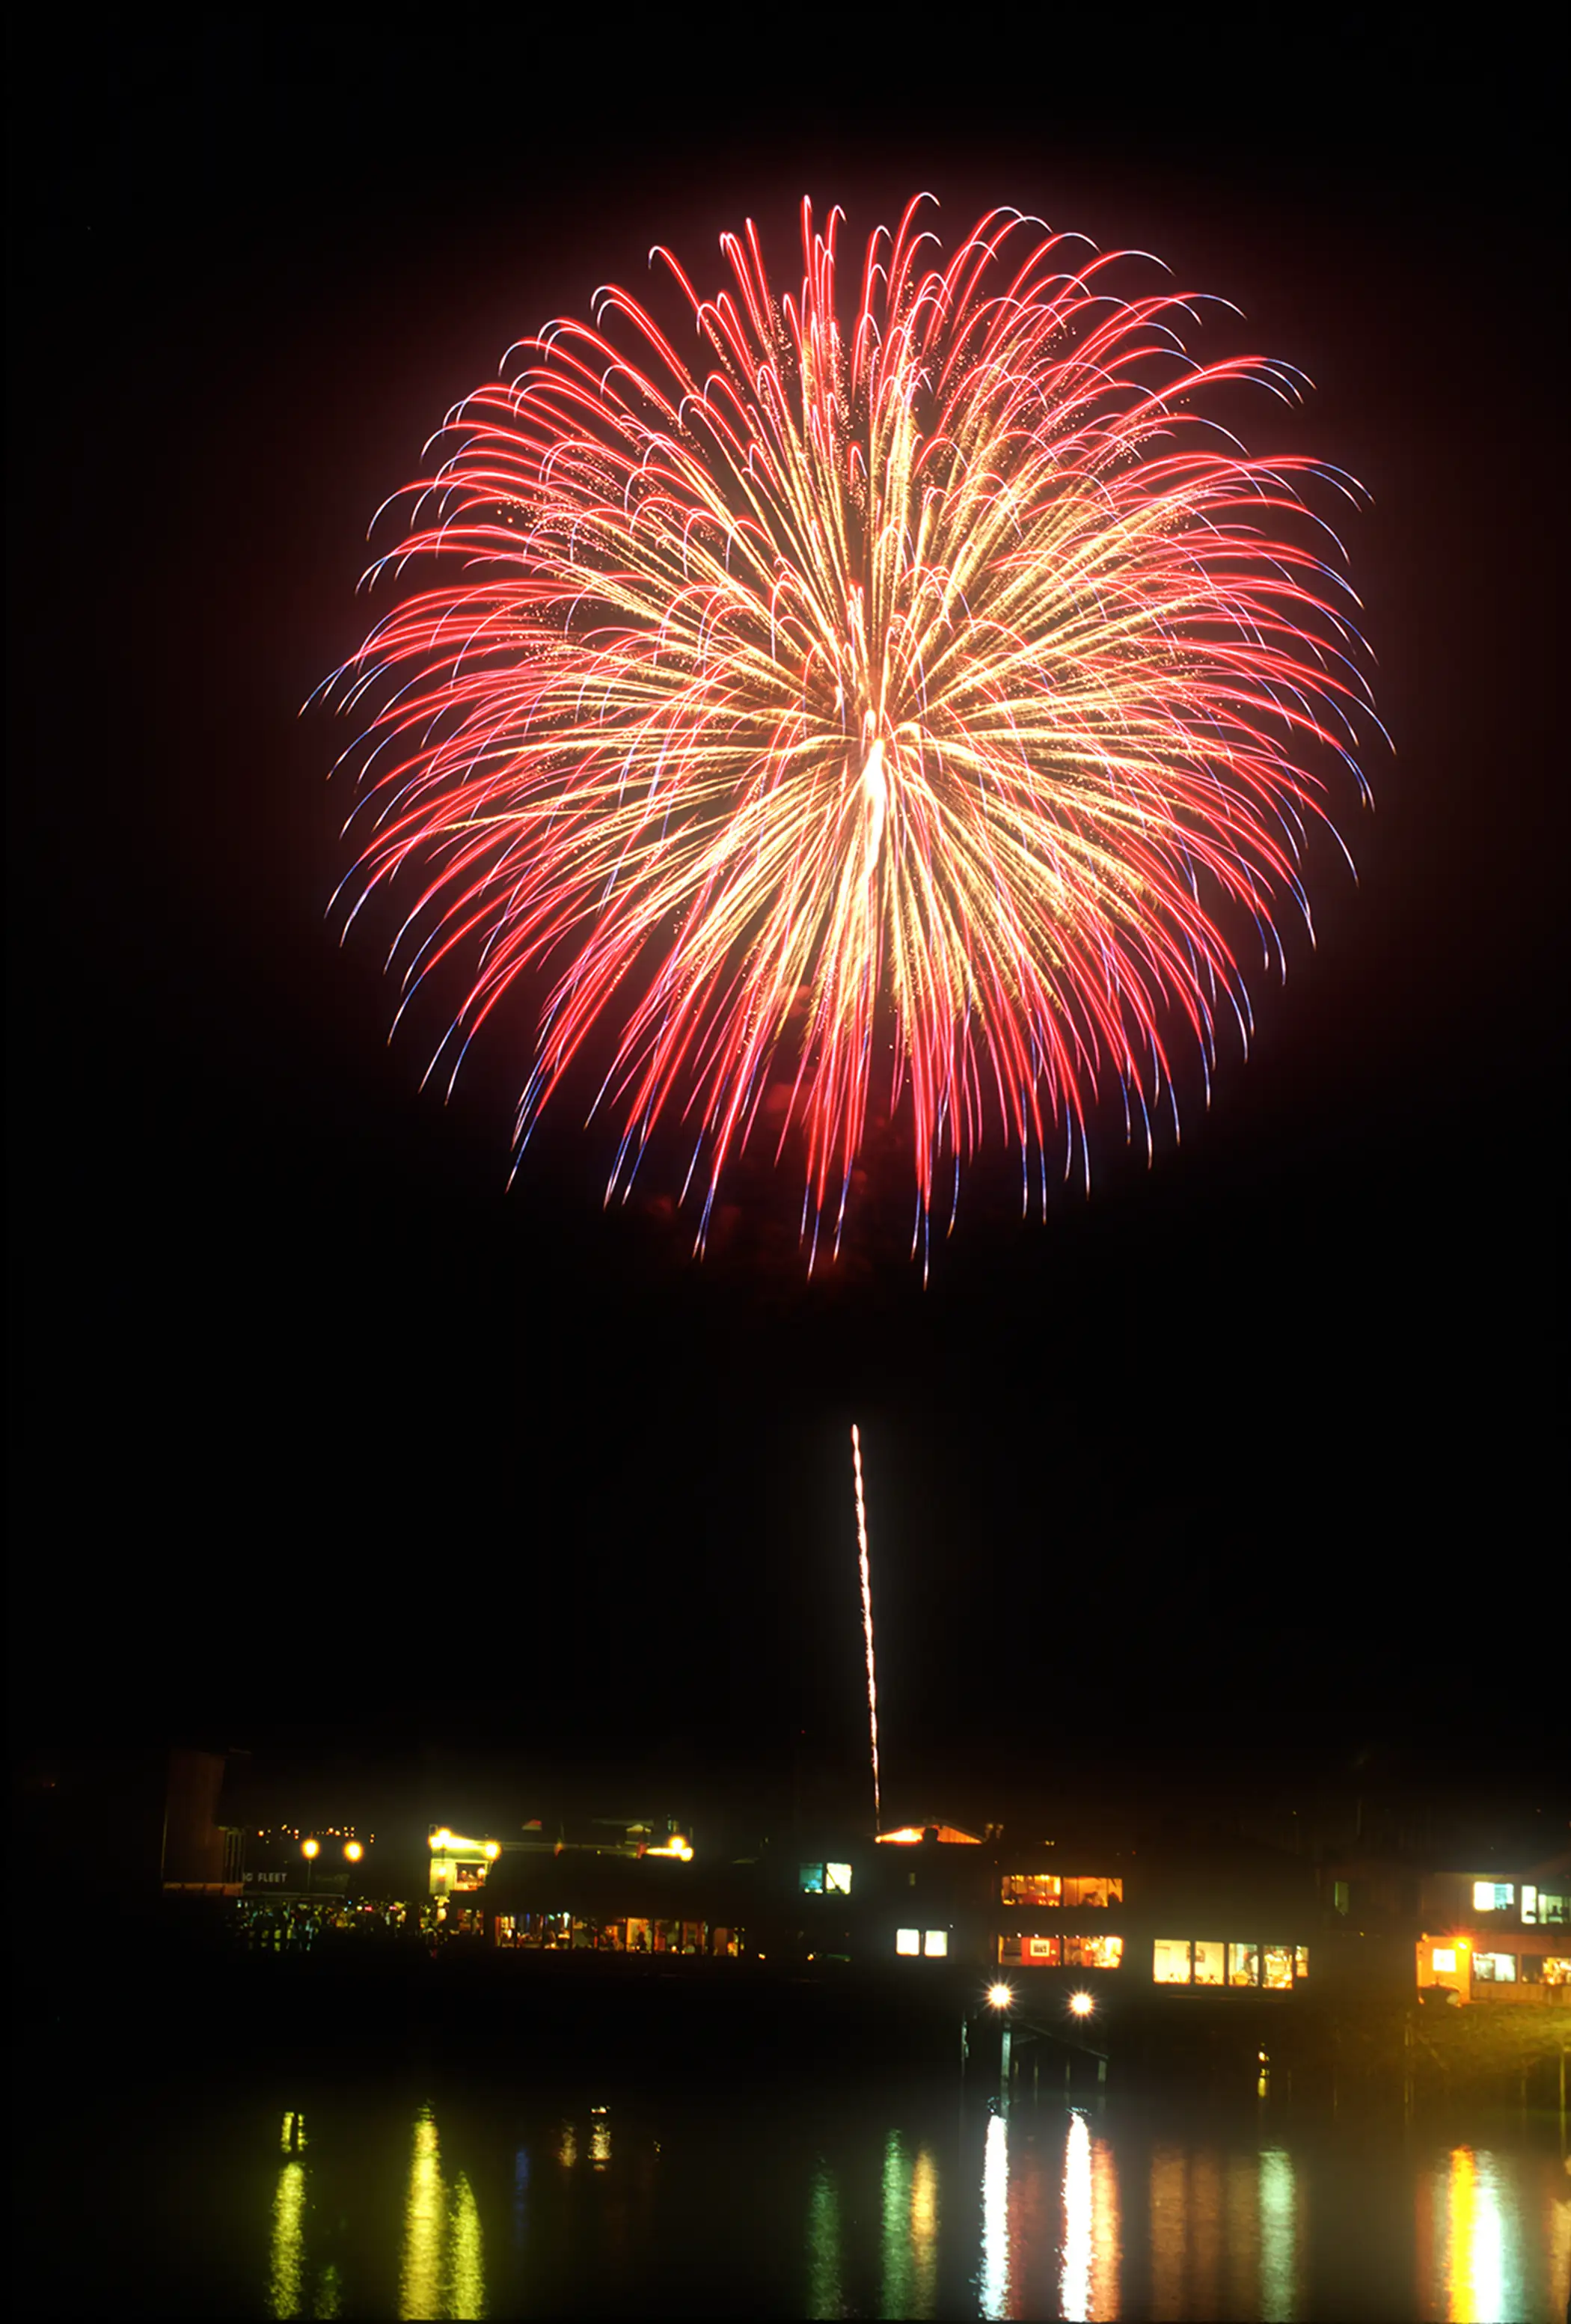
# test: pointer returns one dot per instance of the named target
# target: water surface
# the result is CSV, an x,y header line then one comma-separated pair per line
x,y
518,2202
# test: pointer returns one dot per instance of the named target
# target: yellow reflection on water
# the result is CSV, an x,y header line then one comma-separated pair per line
x,y
288,2240
600,2145
994,2285
422,2252
923,2234
1472,2244
824,2247
468,2295
442,2272
328,2293
567,2147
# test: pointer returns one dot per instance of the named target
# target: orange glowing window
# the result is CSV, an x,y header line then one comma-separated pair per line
x,y
1037,1888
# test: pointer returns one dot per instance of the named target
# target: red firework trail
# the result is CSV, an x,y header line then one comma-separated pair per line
x,y
951,680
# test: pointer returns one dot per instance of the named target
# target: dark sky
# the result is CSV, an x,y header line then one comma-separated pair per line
x,y
322,1438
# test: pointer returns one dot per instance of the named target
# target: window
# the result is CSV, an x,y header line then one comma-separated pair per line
x,y
1094,1889
1495,1969
1443,1961
1339,1895
1029,1952
1208,1962
824,1879
935,1943
1300,1960
1556,1969
1277,1968
1169,1962
907,1941
1243,1964
1530,1906
1031,1888
1093,1952
1554,1905
1494,1895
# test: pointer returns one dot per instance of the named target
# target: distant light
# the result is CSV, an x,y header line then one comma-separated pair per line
x,y
1081,2003
309,1848
443,1839
493,1849
354,1850
1000,1995
686,1853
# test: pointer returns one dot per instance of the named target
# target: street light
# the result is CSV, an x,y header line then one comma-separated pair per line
x,y
310,1849
353,1852
1081,2003
1000,1996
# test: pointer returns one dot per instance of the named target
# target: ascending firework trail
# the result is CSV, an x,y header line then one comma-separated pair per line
x,y
867,1621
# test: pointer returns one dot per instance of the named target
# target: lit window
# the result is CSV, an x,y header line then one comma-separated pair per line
x,y
1339,1895
1093,1952
811,1879
1243,1964
1494,1895
907,1941
1443,1961
1300,1960
1530,1906
837,1879
1556,1969
935,1943
1277,1968
1554,1905
1031,1888
1495,1969
1093,1889
1208,1962
1171,1960
1028,1952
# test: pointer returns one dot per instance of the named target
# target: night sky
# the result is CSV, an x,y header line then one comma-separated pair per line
x,y
322,1440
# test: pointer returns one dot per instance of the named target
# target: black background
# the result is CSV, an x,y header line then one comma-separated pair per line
x,y
323,1441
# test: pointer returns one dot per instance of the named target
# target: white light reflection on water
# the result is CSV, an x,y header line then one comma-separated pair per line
x,y
1074,2283
993,2284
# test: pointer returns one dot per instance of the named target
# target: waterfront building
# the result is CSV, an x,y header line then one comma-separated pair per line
x,y
1499,1940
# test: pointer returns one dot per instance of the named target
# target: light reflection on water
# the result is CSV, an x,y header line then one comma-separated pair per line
x,y
471,2207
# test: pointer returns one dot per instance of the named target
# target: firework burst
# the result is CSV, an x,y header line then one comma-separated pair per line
x,y
894,706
